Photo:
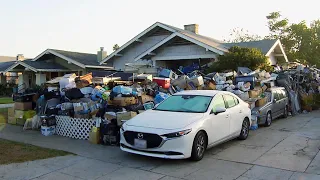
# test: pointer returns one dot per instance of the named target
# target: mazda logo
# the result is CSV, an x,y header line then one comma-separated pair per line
x,y
140,136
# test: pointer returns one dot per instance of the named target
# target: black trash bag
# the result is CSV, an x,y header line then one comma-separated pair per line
x,y
50,95
74,93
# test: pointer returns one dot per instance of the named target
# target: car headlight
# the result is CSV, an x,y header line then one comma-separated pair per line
x,y
177,134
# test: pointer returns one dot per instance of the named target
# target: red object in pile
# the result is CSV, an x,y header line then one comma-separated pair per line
x,y
164,82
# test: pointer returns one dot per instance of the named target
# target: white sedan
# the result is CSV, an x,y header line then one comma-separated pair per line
x,y
186,124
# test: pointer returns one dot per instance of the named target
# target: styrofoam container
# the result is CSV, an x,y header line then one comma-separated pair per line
x,y
48,131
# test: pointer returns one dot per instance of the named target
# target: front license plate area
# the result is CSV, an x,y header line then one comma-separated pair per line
x,y
140,143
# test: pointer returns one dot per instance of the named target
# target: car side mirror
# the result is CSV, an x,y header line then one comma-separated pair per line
x,y
274,101
218,110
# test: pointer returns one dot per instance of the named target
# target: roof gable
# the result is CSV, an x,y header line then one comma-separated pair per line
x,y
263,45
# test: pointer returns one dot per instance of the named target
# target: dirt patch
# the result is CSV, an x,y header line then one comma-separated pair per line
x,y
14,152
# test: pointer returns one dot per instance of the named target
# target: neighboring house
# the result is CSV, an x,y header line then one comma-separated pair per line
x,y
5,77
54,63
163,45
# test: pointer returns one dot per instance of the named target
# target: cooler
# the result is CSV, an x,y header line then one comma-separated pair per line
x,y
164,82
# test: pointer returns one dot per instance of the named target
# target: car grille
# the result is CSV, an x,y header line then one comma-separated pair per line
x,y
153,140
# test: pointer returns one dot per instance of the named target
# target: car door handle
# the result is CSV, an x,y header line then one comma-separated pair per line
x,y
227,116
240,111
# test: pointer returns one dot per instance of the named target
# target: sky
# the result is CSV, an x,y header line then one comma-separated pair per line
x,y
31,26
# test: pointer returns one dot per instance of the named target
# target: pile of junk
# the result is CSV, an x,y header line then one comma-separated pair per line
x,y
94,108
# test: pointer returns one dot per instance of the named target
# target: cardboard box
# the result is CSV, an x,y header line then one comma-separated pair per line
x,y
12,120
264,88
181,82
110,115
10,112
254,93
23,106
146,98
124,101
24,114
124,116
81,116
141,111
20,121
211,86
197,81
261,102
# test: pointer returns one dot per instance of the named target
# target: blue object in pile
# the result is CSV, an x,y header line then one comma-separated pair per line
x,y
191,68
160,97
254,127
166,73
124,90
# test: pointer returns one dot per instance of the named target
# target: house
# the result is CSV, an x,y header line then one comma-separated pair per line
x,y
53,63
162,45
5,77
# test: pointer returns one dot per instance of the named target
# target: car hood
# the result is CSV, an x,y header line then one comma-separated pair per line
x,y
164,119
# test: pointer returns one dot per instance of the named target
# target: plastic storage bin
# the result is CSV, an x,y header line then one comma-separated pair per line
x,y
246,79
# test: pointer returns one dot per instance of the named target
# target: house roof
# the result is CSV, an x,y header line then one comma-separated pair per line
x,y
83,58
5,65
44,65
263,45
211,44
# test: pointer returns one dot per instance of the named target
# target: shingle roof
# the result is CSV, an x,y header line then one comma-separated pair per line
x,y
43,64
5,65
264,45
83,58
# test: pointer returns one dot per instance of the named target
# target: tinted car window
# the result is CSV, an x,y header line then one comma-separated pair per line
x,y
229,100
218,102
275,95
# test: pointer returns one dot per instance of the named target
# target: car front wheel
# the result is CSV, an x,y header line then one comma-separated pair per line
x,y
244,130
199,146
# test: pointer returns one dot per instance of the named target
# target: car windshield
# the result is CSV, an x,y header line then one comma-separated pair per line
x,y
185,103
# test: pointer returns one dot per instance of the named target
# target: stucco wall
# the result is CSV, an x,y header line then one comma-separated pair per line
x,y
132,51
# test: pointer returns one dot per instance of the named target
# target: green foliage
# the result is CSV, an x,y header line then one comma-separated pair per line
x,y
301,41
240,57
115,47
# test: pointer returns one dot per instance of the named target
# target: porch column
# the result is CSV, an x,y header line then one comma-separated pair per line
x,y
3,79
40,79
23,79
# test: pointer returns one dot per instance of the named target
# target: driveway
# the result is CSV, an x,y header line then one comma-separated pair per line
x,y
289,149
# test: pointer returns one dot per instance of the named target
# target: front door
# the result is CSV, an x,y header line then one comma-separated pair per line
x,y
220,123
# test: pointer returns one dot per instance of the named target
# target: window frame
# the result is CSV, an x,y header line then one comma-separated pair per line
x,y
226,102
213,101
276,92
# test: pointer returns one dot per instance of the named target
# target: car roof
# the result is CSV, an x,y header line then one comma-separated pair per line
x,y
199,92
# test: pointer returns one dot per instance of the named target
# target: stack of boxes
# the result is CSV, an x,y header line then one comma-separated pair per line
x,y
21,112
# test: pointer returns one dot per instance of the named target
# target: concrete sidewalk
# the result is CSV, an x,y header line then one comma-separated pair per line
x,y
289,149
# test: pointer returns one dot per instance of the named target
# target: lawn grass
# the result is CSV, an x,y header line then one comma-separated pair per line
x,y
15,152
6,100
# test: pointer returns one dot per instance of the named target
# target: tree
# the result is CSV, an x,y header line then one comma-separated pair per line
x,y
241,57
115,47
301,41
241,35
